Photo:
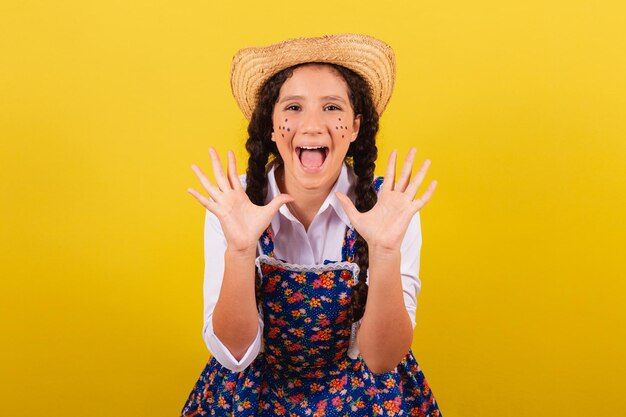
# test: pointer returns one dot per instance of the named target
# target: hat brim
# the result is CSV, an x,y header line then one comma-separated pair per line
x,y
369,57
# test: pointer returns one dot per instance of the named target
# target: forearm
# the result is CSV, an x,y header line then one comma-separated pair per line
x,y
235,317
386,332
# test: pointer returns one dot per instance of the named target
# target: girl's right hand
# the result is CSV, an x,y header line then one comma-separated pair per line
x,y
242,221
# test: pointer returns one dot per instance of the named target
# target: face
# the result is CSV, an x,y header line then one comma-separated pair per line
x,y
314,125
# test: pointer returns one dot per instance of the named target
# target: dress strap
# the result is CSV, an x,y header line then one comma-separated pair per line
x,y
378,181
349,240
267,243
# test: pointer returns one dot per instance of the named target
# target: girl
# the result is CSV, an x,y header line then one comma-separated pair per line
x,y
311,262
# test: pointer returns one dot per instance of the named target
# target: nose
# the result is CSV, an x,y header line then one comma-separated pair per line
x,y
313,123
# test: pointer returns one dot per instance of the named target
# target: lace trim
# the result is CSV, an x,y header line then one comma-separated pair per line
x,y
352,349
308,268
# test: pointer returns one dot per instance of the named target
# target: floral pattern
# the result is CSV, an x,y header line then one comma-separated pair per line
x,y
305,369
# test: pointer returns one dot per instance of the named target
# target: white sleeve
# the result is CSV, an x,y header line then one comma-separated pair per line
x,y
214,249
410,265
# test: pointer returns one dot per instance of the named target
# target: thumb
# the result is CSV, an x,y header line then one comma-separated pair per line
x,y
278,201
348,207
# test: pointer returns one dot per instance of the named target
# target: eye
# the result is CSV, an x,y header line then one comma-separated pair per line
x,y
331,107
293,107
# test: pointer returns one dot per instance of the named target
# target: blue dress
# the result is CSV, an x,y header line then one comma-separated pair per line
x,y
305,369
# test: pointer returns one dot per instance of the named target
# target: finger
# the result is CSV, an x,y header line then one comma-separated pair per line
x,y
218,172
209,204
213,191
407,168
390,174
278,201
411,190
348,207
232,172
425,198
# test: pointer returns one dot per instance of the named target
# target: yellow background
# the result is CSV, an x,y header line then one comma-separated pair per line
x,y
104,106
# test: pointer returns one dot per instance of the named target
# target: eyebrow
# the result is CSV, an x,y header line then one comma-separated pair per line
x,y
287,98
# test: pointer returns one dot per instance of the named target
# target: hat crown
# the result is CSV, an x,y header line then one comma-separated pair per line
x,y
370,58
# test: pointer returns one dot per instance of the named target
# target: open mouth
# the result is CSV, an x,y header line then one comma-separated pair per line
x,y
312,157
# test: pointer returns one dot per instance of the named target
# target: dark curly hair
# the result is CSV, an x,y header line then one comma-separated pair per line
x,y
361,155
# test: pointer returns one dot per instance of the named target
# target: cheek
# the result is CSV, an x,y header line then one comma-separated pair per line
x,y
285,128
338,132
340,128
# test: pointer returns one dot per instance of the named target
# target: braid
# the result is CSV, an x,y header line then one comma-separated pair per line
x,y
366,198
261,147
363,153
259,144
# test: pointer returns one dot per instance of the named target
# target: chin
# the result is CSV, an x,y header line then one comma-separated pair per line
x,y
321,180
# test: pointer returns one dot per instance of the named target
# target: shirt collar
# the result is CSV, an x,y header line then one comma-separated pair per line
x,y
344,184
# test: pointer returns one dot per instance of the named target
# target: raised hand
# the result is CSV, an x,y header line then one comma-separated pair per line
x,y
242,221
386,223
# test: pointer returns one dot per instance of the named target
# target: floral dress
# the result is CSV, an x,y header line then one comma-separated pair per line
x,y
305,368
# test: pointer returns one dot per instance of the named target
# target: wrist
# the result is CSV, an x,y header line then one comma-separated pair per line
x,y
241,254
384,252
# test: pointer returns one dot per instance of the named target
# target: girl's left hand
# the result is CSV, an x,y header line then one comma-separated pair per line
x,y
385,225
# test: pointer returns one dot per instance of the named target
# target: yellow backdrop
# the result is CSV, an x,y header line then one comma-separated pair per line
x,y
104,106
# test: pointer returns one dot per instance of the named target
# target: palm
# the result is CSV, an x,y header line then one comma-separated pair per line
x,y
386,223
242,221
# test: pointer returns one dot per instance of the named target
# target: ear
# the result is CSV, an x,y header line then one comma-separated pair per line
x,y
356,125
273,139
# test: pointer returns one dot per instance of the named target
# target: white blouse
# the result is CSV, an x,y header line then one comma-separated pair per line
x,y
292,243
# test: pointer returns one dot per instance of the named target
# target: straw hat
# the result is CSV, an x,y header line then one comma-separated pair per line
x,y
369,57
